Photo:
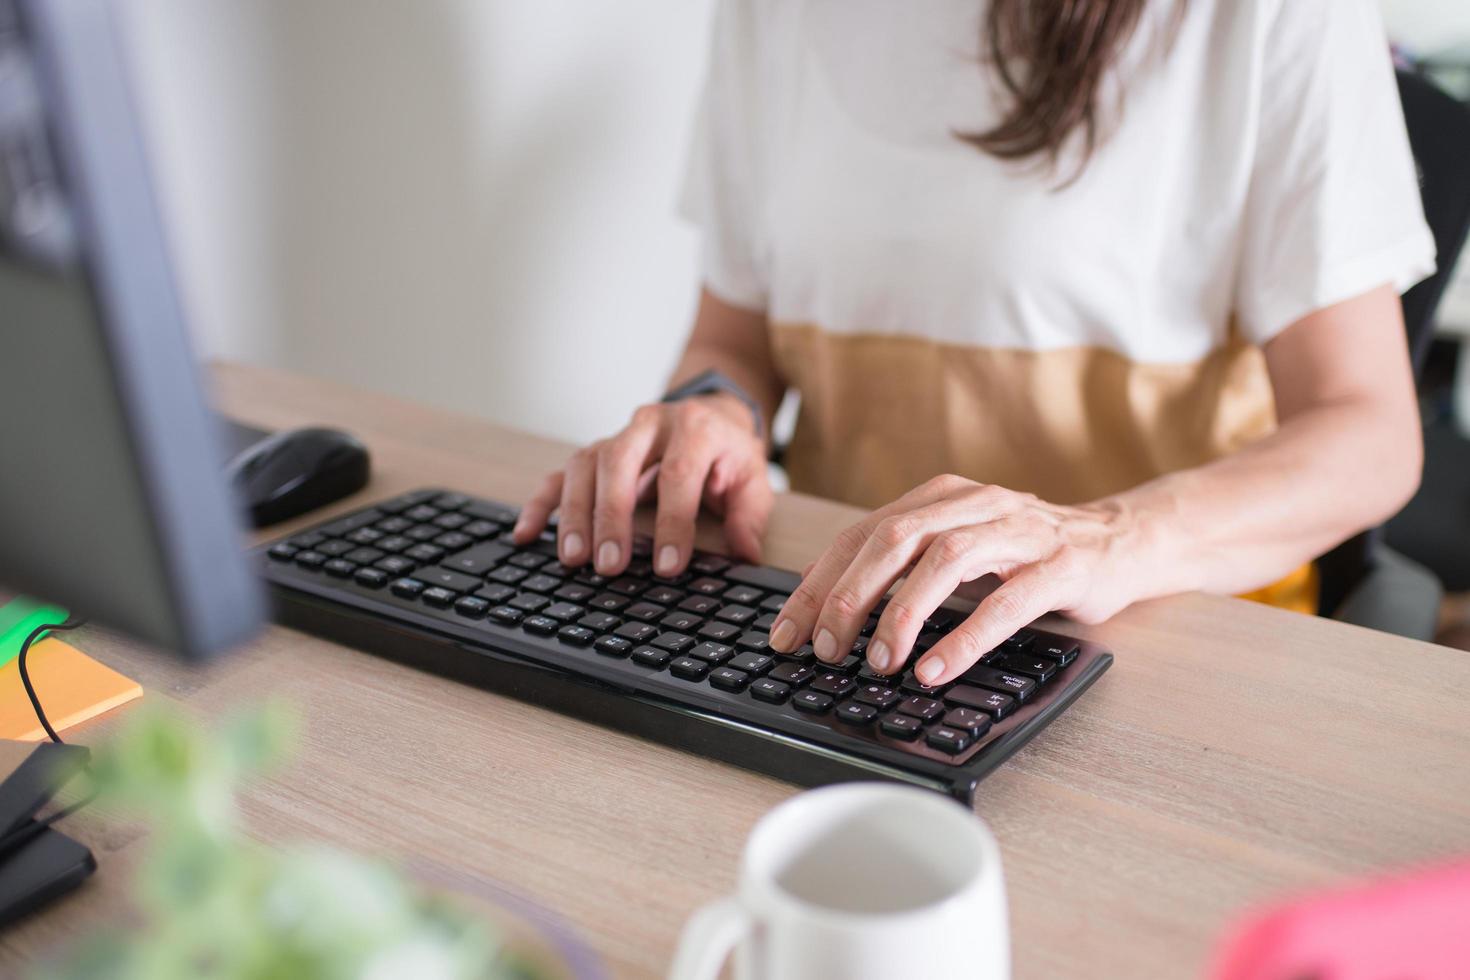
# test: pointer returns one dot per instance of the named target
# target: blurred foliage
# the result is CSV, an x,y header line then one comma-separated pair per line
x,y
214,904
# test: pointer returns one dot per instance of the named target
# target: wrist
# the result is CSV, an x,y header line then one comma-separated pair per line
x,y
1149,553
713,382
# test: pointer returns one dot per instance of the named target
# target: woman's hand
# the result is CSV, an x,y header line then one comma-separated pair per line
x,y
946,532
700,449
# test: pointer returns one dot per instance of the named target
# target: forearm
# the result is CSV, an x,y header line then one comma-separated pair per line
x,y
1248,519
735,342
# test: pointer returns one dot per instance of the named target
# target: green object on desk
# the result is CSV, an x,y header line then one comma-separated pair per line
x,y
18,618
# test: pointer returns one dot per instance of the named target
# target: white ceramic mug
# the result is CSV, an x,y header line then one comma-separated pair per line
x,y
858,881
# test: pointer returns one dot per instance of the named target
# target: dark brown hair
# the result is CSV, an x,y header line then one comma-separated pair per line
x,y
1050,58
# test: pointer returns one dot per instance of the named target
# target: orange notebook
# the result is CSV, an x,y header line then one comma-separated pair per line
x,y
71,685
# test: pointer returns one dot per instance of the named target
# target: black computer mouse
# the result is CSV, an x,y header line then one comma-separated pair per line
x,y
290,473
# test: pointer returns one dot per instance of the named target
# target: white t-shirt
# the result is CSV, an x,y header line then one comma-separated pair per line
x,y
943,310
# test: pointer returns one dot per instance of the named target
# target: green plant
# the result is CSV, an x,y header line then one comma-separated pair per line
x,y
214,904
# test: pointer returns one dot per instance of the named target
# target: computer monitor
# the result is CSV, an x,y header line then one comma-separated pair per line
x,y
113,500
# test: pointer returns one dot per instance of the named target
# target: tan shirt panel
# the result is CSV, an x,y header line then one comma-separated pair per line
x,y
881,414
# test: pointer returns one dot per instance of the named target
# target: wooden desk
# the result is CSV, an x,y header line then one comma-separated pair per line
x,y
1233,754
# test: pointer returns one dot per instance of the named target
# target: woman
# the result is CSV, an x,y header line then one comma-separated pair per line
x,y
1105,305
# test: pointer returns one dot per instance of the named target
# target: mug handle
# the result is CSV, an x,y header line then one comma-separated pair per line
x,y
708,939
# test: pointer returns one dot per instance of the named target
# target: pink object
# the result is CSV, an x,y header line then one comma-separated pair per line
x,y
1414,927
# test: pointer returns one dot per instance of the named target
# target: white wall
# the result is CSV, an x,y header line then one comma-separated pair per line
x,y
466,202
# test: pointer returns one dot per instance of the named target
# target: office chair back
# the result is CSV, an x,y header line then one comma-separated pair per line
x,y
1439,134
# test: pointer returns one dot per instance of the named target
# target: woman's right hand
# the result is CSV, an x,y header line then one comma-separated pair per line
x,y
701,449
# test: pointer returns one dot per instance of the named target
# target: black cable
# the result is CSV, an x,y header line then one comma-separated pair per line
x,y
32,830
25,675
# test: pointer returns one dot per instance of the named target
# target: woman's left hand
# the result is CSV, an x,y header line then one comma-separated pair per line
x,y
1078,560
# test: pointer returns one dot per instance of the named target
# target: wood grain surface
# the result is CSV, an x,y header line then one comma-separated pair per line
x,y
1234,754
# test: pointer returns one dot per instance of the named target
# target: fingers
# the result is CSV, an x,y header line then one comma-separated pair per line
x,y
574,524
952,558
681,478
797,620
537,510
1027,597
620,461
748,501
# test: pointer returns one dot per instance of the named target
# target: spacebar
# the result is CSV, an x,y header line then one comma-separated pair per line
x,y
764,577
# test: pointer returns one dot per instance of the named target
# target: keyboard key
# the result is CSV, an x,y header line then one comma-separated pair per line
x,y
510,575
575,592
744,594
707,586
689,669
684,622
867,675
423,512
308,540
1021,642
490,512
754,641
599,622
773,603
422,532
770,691
393,525
1062,651
282,551
991,702
753,663
802,654
495,594
715,630
1039,669
407,500
577,636
705,564
795,674
480,530
765,622
715,653
339,567
811,701
946,739
729,679
396,565
363,556
450,501
445,578
677,642
438,597
860,647
703,605
627,586
394,544
837,685
877,695
607,601
335,549
925,709
848,665
407,588
736,613
663,595
472,607
372,578
507,615
652,657
763,577
365,535
911,685
613,646
350,523
855,713
536,583
530,602
425,552
479,559
588,577
540,625
564,611
1015,685
973,723
637,632
927,640
906,727
645,611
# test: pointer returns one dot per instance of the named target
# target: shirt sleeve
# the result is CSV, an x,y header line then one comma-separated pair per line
x,y
1334,208
723,184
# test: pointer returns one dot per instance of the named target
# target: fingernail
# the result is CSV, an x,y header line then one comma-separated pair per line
x,y
783,637
608,554
571,546
668,560
878,655
929,670
825,645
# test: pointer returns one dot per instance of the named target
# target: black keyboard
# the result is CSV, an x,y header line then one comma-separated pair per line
x,y
432,579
